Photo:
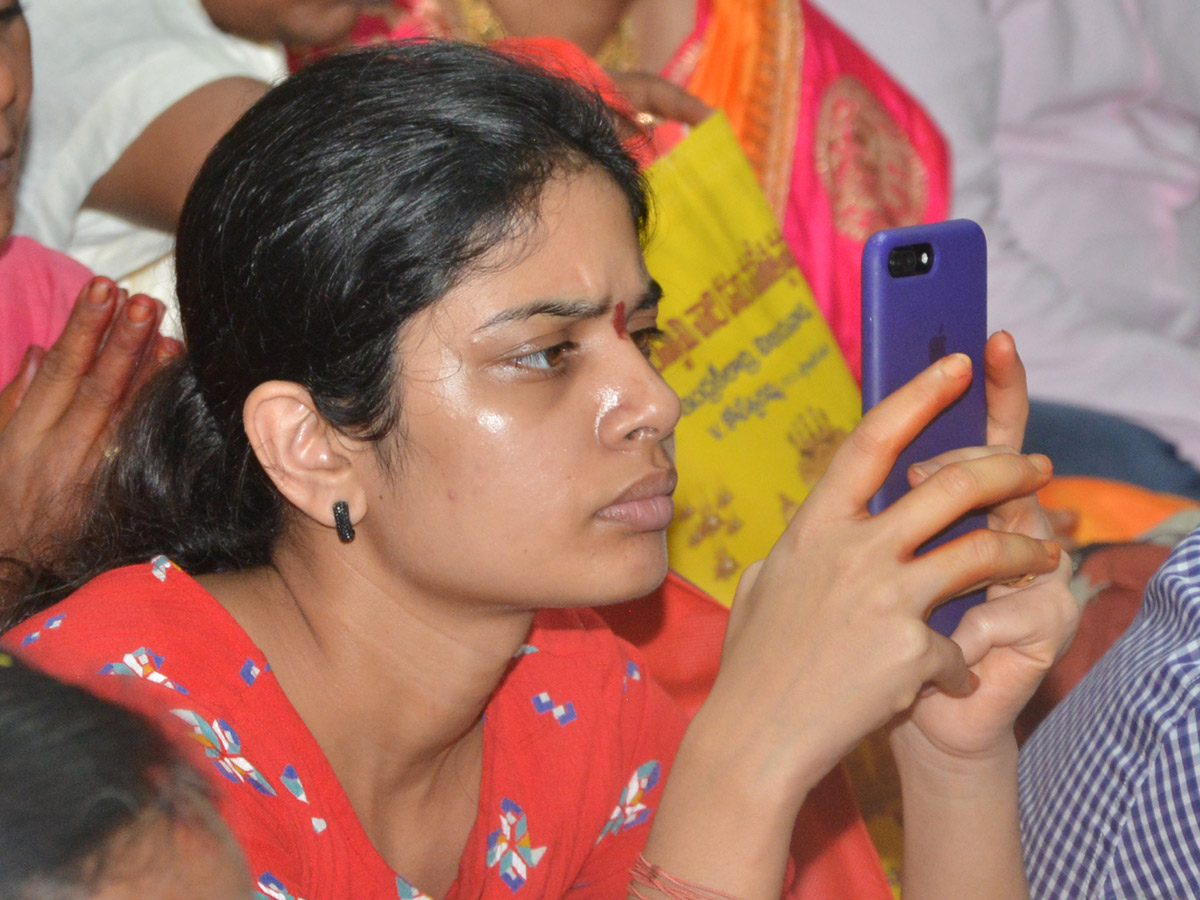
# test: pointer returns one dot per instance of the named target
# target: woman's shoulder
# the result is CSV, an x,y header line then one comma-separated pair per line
x,y
184,662
150,620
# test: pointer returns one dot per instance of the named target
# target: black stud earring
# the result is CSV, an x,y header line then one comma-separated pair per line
x,y
341,520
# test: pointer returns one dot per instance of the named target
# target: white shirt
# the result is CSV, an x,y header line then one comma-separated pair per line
x,y
1074,127
103,71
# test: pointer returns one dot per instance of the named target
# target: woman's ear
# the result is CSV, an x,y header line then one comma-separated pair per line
x,y
311,462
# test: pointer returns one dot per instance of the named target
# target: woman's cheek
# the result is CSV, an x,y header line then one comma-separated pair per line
x,y
492,422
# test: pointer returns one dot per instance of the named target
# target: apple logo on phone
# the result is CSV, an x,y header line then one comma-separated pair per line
x,y
937,345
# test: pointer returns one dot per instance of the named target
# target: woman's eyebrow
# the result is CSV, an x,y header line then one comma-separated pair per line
x,y
651,297
570,309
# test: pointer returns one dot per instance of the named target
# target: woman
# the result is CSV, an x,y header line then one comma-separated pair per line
x,y
96,802
416,435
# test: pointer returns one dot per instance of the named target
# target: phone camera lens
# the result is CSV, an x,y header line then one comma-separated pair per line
x,y
914,259
901,262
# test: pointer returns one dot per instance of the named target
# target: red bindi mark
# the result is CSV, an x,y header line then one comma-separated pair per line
x,y
619,320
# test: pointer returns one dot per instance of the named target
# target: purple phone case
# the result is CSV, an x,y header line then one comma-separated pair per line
x,y
909,322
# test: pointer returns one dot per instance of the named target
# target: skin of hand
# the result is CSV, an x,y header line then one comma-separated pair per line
x,y
656,97
1010,641
58,414
866,593
1065,523
827,640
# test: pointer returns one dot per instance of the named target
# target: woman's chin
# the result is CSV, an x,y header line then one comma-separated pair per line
x,y
640,582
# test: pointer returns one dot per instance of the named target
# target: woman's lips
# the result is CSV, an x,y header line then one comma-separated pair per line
x,y
646,505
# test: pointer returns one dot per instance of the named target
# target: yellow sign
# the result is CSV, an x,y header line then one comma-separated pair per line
x,y
766,394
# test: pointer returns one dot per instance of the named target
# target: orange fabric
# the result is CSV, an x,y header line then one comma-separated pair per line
x,y
749,66
1110,510
679,630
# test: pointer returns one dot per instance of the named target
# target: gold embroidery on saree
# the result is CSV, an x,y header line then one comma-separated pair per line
x,y
774,111
874,176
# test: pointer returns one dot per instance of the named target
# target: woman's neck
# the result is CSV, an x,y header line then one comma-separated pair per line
x,y
392,684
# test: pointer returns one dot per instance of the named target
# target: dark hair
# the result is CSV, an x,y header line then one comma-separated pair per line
x,y
78,775
349,198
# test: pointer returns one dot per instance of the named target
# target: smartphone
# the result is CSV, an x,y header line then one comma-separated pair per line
x,y
924,295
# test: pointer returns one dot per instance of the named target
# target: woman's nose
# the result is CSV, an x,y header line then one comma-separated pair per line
x,y
634,404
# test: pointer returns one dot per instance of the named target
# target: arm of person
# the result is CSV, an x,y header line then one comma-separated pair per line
x,y
57,414
1116,818
957,756
827,642
149,181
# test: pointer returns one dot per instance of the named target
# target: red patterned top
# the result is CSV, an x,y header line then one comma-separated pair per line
x,y
577,742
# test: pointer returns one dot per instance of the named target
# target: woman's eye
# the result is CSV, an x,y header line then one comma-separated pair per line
x,y
647,339
548,359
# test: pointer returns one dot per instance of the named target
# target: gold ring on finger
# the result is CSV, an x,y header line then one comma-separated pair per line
x,y
1023,581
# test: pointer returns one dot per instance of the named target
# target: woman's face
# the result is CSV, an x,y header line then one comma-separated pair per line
x,y
16,86
296,23
535,457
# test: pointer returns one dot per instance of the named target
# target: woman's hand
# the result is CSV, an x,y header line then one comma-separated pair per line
x,y
827,639
58,413
1010,641
657,100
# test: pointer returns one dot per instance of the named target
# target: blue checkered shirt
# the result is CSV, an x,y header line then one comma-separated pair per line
x,y
1110,801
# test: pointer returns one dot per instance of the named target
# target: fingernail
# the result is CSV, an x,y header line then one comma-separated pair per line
x,y
30,364
140,310
168,348
1053,549
100,293
955,365
973,681
923,469
1041,462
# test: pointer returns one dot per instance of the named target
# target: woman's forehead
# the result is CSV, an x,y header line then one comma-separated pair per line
x,y
580,255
